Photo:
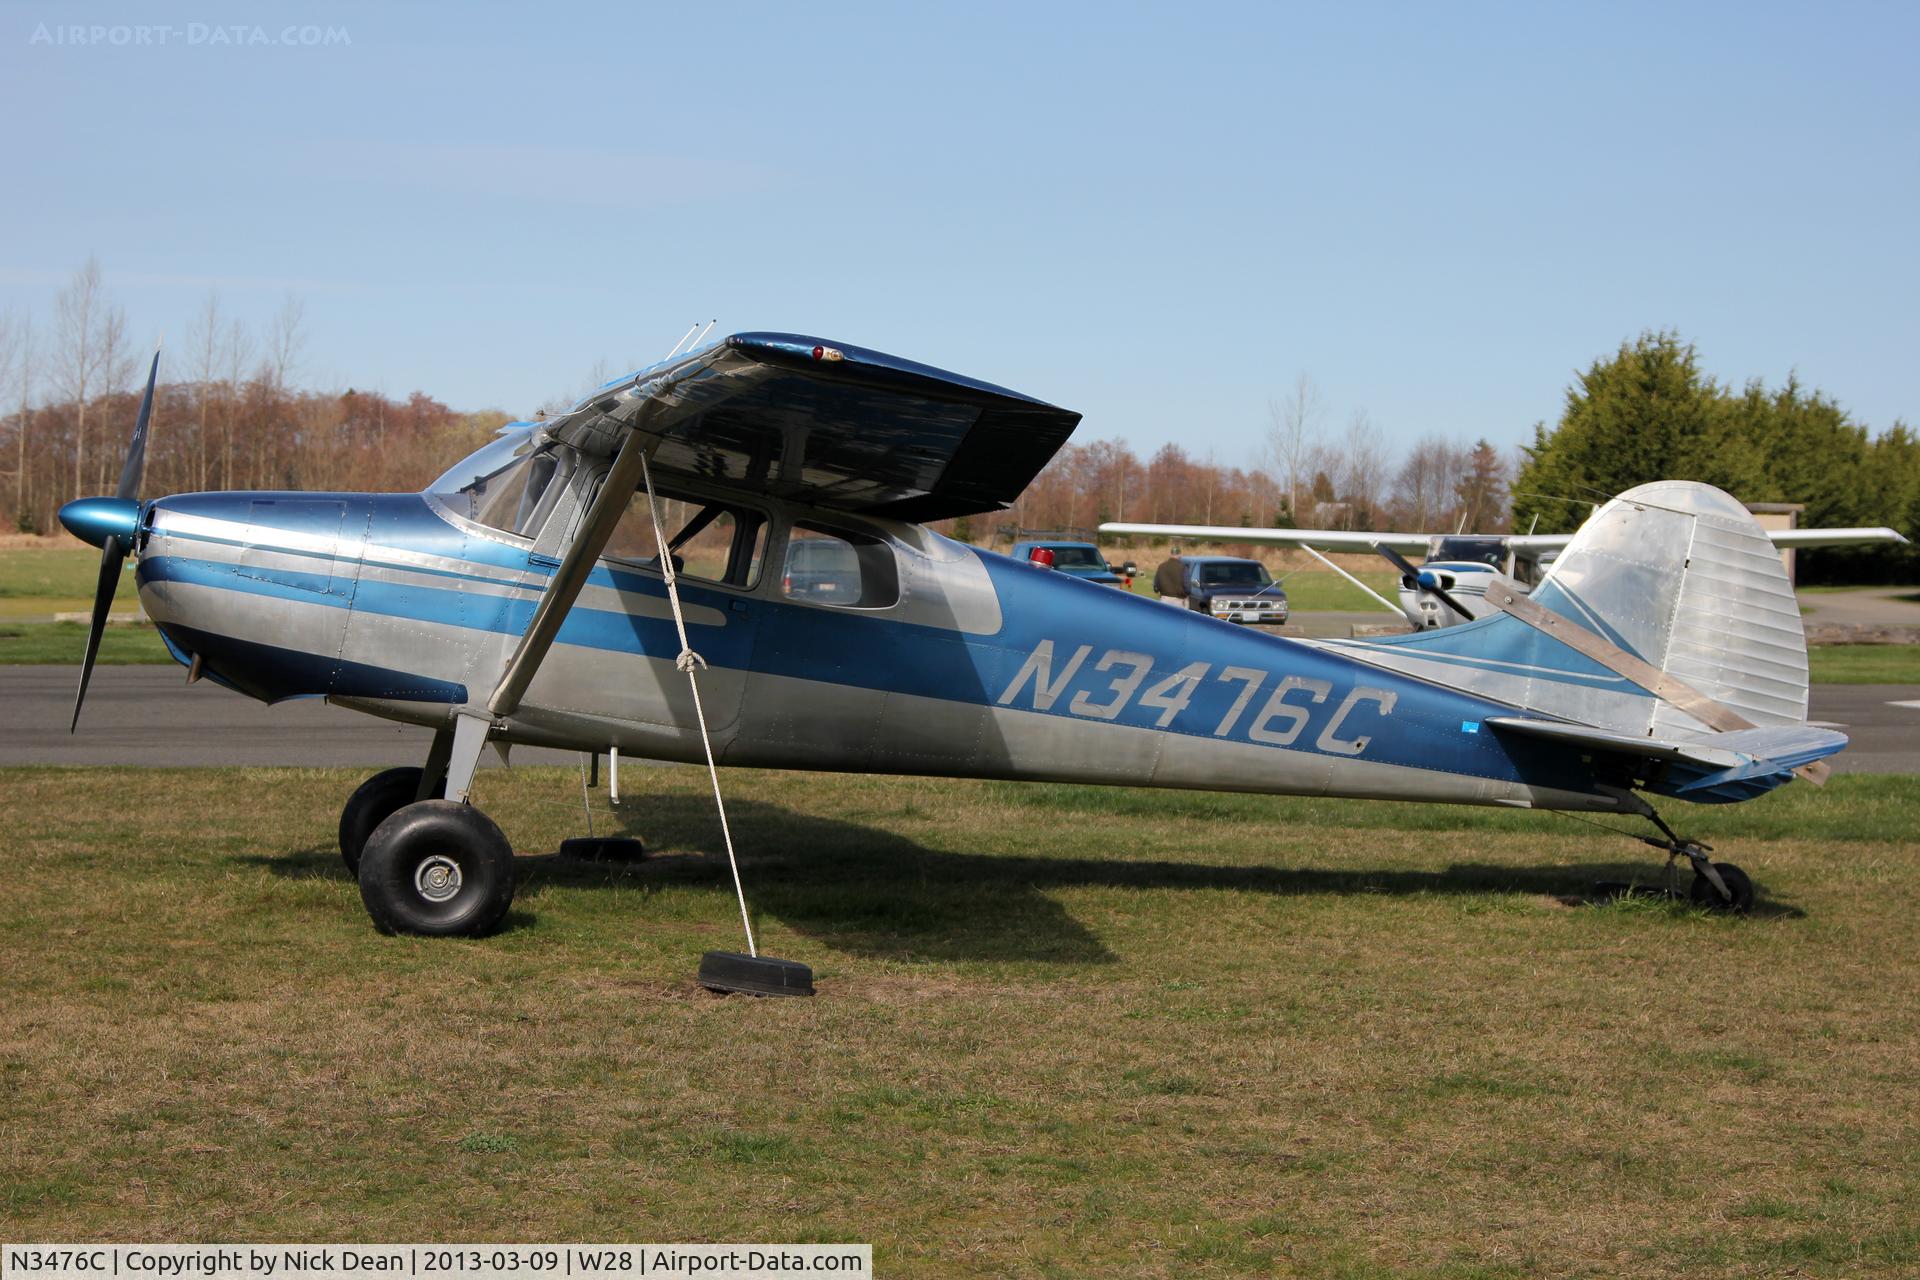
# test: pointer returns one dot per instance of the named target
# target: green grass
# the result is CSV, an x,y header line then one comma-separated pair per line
x,y
1060,1031
38,581
1864,663
1315,589
1309,589
66,642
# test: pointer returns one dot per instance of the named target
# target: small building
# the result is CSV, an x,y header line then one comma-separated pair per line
x,y
1779,515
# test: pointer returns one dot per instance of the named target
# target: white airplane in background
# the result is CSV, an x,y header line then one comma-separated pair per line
x,y
1451,586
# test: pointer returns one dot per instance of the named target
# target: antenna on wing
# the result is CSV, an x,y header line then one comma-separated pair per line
x,y
683,341
689,334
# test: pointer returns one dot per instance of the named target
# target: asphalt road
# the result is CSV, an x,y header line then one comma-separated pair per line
x,y
146,716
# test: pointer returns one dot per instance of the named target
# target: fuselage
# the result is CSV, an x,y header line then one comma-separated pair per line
x,y
979,665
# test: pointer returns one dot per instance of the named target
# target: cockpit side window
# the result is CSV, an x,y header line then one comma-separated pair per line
x,y
710,541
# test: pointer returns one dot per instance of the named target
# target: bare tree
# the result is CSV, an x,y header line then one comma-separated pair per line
x,y
286,339
1425,484
116,368
238,351
1364,465
14,338
1291,437
204,349
87,328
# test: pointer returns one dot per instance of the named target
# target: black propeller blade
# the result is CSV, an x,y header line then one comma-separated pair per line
x,y
1411,576
102,524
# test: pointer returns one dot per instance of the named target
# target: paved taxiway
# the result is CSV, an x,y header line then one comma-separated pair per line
x,y
146,716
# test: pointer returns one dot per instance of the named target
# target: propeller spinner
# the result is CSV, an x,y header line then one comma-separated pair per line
x,y
110,524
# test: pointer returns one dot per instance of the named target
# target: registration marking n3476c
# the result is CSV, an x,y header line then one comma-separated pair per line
x,y
1280,721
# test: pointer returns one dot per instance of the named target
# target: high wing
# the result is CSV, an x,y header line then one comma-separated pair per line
x,y
1537,543
827,424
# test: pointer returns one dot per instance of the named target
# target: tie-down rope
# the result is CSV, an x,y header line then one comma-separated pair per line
x,y
691,662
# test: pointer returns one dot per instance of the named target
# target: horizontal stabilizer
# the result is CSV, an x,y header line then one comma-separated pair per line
x,y
1724,767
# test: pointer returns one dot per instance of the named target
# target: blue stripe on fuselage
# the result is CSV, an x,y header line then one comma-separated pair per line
x,y
871,651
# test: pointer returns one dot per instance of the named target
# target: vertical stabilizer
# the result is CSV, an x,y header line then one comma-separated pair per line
x,y
1676,573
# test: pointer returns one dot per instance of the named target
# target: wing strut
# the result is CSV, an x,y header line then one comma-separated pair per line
x,y
595,532
472,725
1385,603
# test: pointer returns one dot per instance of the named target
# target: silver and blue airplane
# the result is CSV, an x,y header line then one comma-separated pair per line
x,y
525,597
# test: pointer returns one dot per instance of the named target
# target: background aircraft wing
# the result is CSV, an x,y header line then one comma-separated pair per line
x,y
1832,537
1525,543
1319,539
827,424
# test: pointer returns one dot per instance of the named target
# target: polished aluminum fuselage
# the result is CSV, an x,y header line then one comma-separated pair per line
x,y
983,667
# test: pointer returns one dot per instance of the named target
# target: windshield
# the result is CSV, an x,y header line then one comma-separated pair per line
x,y
499,484
1071,557
1491,551
1248,574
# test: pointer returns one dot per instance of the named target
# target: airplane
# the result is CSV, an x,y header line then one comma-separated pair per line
x,y
804,617
1450,586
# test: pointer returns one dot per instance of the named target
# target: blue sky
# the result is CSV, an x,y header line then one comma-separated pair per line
x,y
1155,214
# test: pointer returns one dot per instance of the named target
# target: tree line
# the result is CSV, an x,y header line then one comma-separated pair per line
x,y
237,420
1648,412
1304,476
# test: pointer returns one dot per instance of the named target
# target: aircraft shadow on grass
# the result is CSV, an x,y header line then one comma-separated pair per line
x,y
868,891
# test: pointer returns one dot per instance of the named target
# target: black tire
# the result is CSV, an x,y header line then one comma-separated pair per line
x,y
1703,894
434,847
375,800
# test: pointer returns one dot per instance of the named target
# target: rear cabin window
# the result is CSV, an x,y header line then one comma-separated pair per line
x,y
709,541
839,567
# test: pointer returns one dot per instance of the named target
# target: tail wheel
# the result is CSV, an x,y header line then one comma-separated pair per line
x,y
1703,894
439,869
372,803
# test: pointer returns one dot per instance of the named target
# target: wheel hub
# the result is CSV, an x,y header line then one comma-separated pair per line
x,y
437,878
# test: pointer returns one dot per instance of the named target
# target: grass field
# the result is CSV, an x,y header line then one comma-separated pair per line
x,y
36,581
1060,1031
1864,663
66,642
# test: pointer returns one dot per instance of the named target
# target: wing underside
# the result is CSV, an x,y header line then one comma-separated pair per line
x,y
828,424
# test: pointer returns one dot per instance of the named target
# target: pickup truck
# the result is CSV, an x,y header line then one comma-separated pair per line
x,y
1078,559
1235,589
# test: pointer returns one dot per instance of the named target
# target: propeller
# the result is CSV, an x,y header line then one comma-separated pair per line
x,y
1414,578
110,524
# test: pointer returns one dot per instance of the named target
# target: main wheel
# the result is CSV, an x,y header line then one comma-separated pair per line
x,y
437,868
1703,894
376,800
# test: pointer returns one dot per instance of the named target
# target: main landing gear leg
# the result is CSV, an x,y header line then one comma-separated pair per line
x,y
1718,886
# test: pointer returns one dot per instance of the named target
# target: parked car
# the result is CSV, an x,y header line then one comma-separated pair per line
x,y
1236,589
821,569
1079,560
